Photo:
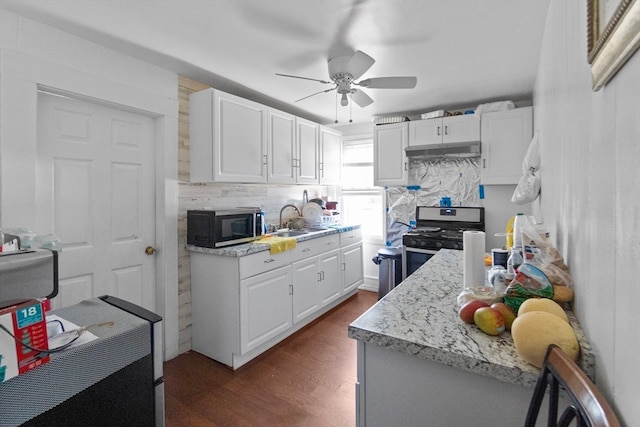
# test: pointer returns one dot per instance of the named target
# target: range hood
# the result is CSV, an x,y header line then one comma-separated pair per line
x,y
458,149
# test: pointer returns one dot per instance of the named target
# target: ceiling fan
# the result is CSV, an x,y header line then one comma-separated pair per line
x,y
345,70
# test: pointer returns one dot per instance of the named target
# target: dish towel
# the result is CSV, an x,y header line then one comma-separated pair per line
x,y
278,244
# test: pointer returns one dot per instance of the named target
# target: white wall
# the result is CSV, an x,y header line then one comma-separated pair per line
x,y
34,55
590,147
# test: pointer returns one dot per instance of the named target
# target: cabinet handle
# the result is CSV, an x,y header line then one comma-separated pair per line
x,y
319,276
438,130
306,249
484,163
265,159
446,130
267,261
321,167
290,289
322,275
406,164
343,266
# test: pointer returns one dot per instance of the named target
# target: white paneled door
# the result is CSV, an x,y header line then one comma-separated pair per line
x,y
96,193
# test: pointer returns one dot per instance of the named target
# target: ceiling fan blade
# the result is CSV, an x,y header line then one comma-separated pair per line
x,y
389,82
304,78
361,98
359,63
317,93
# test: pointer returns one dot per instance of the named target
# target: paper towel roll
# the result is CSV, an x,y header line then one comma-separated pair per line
x,y
473,248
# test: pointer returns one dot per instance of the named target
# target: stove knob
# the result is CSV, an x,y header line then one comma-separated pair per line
x,y
413,242
456,245
438,245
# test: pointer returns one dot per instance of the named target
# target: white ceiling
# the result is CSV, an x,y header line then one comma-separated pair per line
x,y
463,52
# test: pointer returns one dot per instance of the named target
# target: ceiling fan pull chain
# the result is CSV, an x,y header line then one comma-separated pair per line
x,y
336,107
350,111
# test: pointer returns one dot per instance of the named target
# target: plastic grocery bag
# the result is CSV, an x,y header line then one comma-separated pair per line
x,y
530,282
540,252
529,185
528,189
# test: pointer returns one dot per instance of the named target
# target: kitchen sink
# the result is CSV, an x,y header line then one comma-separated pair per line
x,y
300,232
292,233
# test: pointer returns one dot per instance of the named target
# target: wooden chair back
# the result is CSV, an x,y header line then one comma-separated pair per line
x,y
587,405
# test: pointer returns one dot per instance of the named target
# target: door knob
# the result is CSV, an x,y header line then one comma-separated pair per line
x,y
150,250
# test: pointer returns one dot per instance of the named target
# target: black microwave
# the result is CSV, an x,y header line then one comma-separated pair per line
x,y
223,227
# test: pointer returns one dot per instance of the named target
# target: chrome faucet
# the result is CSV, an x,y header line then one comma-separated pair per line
x,y
287,206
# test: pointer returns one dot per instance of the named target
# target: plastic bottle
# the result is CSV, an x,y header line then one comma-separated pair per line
x,y
514,261
518,225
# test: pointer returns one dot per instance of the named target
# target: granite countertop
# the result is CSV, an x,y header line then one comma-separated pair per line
x,y
420,317
255,247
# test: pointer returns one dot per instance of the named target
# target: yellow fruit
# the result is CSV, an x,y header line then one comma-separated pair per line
x,y
562,294
542,304
534,331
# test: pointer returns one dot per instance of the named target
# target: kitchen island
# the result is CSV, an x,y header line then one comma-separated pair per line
x,y
419,364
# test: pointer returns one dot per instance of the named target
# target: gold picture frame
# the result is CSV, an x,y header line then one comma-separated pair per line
x,y
612,38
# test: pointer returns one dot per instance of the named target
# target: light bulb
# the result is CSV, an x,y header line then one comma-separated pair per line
x,y
344,101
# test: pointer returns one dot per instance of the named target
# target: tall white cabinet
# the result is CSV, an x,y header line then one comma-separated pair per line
x,y
391,164
330,156
282,147
505,138
229,135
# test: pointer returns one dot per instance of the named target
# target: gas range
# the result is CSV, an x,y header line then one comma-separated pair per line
x,y
438,227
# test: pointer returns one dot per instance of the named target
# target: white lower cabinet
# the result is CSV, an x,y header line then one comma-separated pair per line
x,y
265,307
306,298
352,268
242,306
316,282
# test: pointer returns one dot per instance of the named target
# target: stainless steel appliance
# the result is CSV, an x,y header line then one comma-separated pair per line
x,y
223,227
437,228
28,274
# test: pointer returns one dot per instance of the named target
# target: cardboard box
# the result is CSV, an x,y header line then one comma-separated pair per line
x,y
25,321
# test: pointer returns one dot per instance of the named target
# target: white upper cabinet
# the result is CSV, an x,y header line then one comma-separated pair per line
x,y
330,156
391,164
505,139
282,141
233,139
445,130
307,161
227,138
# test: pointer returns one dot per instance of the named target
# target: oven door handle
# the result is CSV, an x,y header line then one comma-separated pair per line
x,y
420,251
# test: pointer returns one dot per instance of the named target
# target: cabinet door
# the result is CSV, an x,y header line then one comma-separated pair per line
x,y
306,294
330,156
307,158
281,141
330,277
505,137
265,307
239,139
389,159
463,128
352,268
425,132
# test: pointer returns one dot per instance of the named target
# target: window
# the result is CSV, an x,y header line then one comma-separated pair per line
x,y
362,202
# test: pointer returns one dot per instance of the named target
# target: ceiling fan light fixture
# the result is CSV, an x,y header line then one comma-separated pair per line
x,y
344,101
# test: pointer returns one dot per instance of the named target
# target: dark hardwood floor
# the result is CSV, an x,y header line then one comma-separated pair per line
x,y
306,380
